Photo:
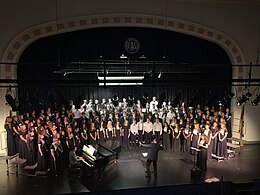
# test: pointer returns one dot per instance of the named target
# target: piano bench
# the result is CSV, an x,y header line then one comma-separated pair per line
x,y
75,171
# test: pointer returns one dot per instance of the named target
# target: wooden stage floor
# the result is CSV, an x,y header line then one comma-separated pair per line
x,y
129,173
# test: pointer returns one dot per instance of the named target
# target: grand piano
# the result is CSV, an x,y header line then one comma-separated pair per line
x,y
100,155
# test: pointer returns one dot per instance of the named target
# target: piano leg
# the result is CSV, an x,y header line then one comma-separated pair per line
x,y
100,171
99,174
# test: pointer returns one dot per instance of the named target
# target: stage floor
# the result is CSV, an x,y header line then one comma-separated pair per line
x,y
173,169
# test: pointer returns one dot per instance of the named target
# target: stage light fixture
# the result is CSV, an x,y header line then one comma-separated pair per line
x,y
122,78
10,100
150,73
231,95
123,56
160,75
248,94
245,97
256,100
143,57
119,84
242,100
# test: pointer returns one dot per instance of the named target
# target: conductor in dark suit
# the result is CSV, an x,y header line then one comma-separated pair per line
x,y
152,157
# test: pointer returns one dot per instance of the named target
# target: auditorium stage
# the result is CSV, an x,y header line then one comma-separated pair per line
x,y
129,173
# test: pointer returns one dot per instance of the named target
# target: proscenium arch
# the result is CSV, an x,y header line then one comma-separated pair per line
x,y
25,38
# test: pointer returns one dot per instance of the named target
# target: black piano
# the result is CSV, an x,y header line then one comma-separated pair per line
x,y
99,156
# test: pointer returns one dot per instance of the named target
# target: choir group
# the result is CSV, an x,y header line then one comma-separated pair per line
x,y
47,137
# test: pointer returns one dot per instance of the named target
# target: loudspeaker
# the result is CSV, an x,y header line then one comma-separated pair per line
x,y
196,175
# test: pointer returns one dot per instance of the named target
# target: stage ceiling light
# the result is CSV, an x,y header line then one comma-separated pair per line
x,y
120,78
256,100
120,84
242,100
143,57
160,75
123,56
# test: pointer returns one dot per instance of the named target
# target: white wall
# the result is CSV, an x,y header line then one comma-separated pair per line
x,y
239,20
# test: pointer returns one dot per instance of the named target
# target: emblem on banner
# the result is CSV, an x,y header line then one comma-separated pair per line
x,y
132,45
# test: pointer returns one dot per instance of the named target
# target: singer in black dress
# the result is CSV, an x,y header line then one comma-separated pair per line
x,y
11,150
92,134
16,131
202,156
195,136
84,135
126,135
31,160
23,152
207,132
228,117
41,165
101,134
166,136
222,143
186,139
214,139
176,138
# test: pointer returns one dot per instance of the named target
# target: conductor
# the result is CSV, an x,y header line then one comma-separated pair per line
x,y
152,157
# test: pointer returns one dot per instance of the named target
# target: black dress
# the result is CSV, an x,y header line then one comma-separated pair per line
x,y
209,150
202,158
194,142
53,164
214,142
23,151
56,166
176,141
31,160
65,155
11,149
118,134
222,145
83,141
97,125
186,142
16,137
41,166
71,140
166,138
228,124
93,133
101,136
77,141
125,138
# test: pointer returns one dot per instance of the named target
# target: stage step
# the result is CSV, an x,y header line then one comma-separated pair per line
x,y
233,149
234,146
30,170
42,173
17,163
237,141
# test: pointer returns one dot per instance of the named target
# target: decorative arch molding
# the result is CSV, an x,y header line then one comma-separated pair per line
x,y
22,40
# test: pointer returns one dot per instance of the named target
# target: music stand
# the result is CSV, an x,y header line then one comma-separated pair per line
x,y
195,171
195,155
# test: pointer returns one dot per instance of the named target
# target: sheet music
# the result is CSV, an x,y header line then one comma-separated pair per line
x,y
89,149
